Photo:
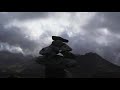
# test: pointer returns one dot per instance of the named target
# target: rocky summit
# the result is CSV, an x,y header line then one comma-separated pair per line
x,y
90,65
53,65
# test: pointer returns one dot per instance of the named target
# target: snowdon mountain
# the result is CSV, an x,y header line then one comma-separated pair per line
x,y
90,65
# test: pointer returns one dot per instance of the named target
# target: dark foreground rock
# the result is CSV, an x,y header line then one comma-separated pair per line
x,y
56,66
90,65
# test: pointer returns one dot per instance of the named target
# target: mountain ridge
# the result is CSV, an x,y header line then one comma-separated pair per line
x,y
89,65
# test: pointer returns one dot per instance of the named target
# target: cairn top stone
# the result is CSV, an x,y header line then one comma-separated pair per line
x,y
59,38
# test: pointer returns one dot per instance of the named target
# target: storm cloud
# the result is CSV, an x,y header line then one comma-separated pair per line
x,y
28,32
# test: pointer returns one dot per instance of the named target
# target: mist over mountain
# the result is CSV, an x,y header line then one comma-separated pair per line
x,y
8,58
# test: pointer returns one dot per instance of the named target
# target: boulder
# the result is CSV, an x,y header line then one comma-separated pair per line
x,y
49,51
65,48
59,38
67,54
57,62
57,43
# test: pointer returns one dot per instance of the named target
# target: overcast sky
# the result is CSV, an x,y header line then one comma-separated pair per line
x,y
28,32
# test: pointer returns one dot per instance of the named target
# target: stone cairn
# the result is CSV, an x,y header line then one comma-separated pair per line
x,y
55,64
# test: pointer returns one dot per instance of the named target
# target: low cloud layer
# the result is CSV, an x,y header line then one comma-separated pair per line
x,y
87,31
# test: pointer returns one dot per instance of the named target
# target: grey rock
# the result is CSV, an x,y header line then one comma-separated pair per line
x,y
57,61
49,51
57,43
59,38
65,47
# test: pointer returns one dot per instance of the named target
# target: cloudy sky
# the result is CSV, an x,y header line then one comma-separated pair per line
x,y
28,32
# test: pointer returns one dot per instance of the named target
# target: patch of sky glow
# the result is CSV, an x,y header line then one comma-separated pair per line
x,y
102,37
41,29
104,31
10,48
3,12
56,24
